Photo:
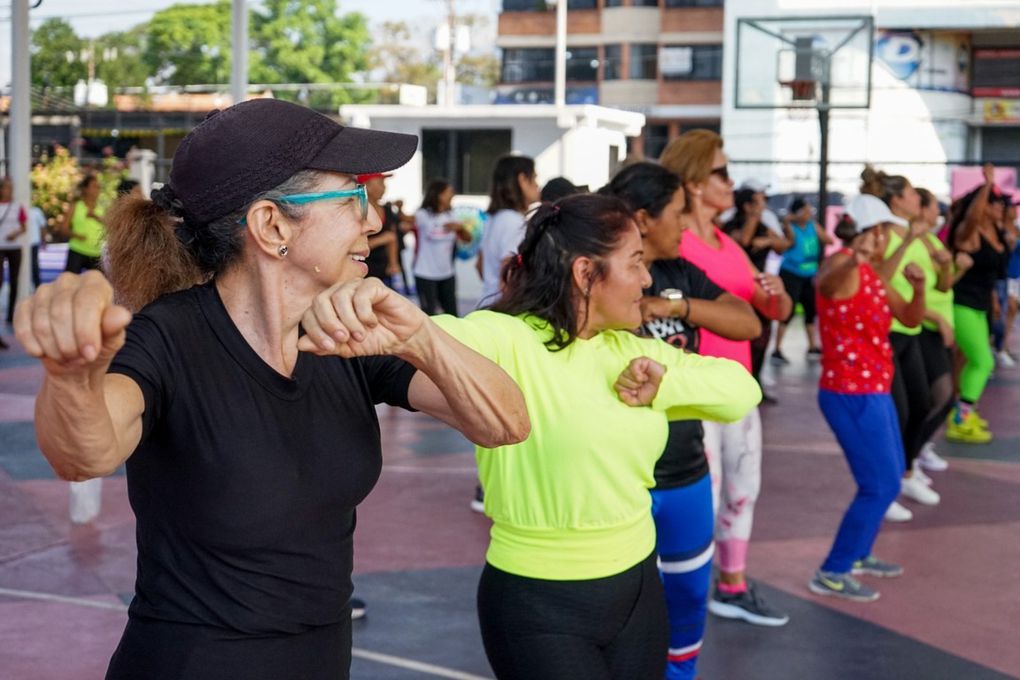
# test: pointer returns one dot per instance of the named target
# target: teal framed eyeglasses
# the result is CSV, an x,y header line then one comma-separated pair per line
x,y
358,191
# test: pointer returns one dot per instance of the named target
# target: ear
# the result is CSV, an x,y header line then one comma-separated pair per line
x,y
268,228
643,221
693,190
583,270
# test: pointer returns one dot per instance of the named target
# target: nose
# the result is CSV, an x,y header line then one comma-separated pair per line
x,y
372,221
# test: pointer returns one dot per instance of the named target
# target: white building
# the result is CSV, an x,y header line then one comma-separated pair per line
x,y
583,143
945,92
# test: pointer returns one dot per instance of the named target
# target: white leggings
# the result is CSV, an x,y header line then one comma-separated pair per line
x,y
734,459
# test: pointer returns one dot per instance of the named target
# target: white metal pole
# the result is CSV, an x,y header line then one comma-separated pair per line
x,y
560,97
239,68
19,165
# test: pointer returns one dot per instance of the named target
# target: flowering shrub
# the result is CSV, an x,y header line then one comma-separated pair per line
x,y
55,182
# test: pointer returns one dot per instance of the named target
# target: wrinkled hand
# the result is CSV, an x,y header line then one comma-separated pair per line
x,y
639,383
362,317
914,276
963,261
771,284
72,324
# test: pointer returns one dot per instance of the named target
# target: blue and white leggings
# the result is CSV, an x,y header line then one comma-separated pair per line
x,y
684,525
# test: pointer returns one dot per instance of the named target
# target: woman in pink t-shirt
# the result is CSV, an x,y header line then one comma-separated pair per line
x,y
734,450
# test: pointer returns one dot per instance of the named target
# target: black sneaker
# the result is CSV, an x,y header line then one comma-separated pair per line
x,y
478,502
747,606
4,345
358,609
779,359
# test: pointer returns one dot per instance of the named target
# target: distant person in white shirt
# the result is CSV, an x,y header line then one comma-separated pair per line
x,y
514,188
438,232
36,226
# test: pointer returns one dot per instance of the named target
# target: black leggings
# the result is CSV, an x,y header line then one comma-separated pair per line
x,y
801,289
13,258
612,628
910,392
759,345
438,295
938,367
77,263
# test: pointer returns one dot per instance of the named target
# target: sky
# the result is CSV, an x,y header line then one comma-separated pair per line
x,y
96,17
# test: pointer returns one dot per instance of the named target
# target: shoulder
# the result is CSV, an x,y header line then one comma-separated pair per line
x,y
507,219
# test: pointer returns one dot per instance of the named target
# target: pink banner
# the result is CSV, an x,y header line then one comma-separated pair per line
x,y
966,178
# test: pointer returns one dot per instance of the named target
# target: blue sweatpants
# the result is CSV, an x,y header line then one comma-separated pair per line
x,y
684,526
867,427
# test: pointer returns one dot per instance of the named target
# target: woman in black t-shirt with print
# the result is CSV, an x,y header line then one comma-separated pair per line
x,y
681,300
244,406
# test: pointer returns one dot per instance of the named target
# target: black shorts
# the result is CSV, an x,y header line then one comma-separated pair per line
x,y
801,289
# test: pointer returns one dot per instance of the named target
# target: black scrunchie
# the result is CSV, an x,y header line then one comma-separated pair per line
x,y
166,199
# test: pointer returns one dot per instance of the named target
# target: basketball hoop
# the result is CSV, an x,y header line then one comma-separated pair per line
x,y
801,90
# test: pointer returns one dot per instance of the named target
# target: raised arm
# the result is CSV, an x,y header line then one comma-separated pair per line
x,y
455,384
976,211
87,422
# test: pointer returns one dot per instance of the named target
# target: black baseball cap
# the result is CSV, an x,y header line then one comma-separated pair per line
x,y
239,152
558,187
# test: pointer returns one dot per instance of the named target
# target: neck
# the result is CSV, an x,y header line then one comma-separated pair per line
x,y
265,307
699,220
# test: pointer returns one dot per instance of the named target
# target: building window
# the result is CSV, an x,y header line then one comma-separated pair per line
x,y
528,65
613,3
524,6
691,62
656,138
643,61
694,3
582,4
612,62
465,157
644,3
583,64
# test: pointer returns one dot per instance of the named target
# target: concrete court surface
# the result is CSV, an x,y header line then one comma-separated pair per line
x,y
419,551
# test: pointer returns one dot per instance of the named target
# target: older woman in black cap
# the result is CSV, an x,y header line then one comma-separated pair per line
x,y
247,448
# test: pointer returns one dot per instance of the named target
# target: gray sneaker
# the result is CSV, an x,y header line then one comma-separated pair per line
x,y
873,566
748,606
841,585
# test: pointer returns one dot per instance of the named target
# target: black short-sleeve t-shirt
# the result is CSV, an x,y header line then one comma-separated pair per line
x,y
683,461
245,481
758,256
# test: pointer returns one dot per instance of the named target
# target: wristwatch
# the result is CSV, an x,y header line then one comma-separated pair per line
x,y
672,294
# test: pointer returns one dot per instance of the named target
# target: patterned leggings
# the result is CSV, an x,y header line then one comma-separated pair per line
x,y
734,458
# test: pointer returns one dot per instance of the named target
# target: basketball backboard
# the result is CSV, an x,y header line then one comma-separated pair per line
x,y
804,62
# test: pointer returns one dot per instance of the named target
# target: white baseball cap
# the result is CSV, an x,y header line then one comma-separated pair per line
x,y
866,211
755,185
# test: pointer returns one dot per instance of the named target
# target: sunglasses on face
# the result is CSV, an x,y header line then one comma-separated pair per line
x,y
358,191
722,172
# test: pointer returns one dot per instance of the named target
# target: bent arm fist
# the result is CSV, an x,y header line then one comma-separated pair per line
x,y
639,383
72,324
359,318
963,261
914,275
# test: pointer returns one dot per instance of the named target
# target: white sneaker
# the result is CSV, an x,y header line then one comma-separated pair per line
x,y
931,460
916,490
898,513
1006,360
919,474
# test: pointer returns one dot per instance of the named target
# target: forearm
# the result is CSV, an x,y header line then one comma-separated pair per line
x,y
945,278
731,318
707,388
482,401
74,428
912,313
887,268
774,307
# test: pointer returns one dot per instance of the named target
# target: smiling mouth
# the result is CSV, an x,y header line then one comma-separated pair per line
x,y
358,258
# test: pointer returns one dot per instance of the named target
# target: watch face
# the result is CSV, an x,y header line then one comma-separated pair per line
x,y
671,294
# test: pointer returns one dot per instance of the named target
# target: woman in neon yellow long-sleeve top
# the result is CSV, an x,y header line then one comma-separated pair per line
x,y
570,588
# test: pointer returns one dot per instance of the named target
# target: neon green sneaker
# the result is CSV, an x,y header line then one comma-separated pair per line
x,y
969,431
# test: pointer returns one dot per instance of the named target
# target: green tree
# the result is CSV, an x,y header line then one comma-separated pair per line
x,y
56,55
397,59
306,41
121,61
189,44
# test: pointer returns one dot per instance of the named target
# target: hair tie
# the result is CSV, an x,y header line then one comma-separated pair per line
x,y
520,260
166,199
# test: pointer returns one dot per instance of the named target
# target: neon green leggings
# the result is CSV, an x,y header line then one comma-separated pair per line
x,y
972,339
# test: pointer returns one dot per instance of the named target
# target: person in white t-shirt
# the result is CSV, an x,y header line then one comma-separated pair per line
x,y
438,232
36,226
12,226
514,188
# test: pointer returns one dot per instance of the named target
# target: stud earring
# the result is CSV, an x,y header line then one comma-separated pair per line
x,y
282,250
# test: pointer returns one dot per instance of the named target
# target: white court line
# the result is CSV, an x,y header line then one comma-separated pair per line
x,y
410,665
64,599
399,662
